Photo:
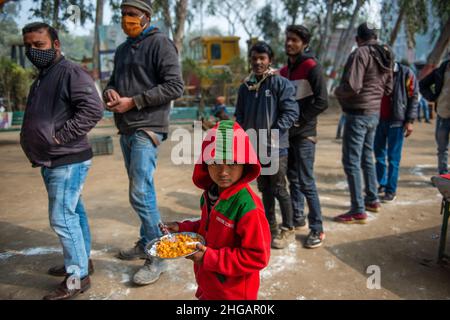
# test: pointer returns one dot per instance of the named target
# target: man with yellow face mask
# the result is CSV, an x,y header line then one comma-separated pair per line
x,y
146,77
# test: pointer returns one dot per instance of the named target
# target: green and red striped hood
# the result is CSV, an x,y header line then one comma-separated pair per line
x,y
227,141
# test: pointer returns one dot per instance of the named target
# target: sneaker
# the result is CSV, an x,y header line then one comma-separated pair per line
x,y
137,252
381,189
283,238
300,224
314,239
359,218
150,272
373,206
274,229
388,197
60,271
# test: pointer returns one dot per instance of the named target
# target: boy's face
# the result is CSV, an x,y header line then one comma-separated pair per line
x,y
260,62
294,45
225,175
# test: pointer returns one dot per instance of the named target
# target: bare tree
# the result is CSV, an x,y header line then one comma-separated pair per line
x,y
327,29
346,38
438,50
96,47
176,21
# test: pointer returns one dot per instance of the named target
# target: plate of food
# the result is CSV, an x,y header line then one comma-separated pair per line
x,y
174,245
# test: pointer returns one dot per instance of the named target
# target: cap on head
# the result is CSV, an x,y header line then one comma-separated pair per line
x,y
143,5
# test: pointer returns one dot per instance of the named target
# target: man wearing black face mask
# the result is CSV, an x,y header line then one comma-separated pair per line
x,y
63,106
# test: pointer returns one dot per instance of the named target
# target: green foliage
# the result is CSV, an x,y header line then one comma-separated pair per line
x,y
271,29
15,82
46,10
76,48
9,32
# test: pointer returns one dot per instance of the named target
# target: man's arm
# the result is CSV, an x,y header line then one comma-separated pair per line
x,y
108,96
426,85
352,80
87,104
288,109
168,70
239,111
319,88
412,97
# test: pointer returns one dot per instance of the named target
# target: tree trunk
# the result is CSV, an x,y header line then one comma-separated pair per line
x,y
397,26
435,55
346,40
327,31
55,18
180,17
96,49
166,16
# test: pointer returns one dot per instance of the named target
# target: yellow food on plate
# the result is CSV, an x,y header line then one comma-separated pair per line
x,y
178,248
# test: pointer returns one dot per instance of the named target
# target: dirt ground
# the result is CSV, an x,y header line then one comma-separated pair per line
x,y
402,240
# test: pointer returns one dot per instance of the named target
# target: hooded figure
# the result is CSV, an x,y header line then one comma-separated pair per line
x,y
235,227
367,75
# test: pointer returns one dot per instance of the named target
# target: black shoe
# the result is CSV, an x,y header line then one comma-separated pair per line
x,y
60,271
63,292
388,197
300,224
314,239
381,189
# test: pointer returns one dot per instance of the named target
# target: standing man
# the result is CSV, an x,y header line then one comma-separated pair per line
x,y
312,97
63,106
436,88
146,77
397,115
367,77
267,101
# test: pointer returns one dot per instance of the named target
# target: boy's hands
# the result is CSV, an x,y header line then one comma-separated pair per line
x,y
173,227
198,256
170,226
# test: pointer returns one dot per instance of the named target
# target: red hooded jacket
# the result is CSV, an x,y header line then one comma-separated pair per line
x,y
236,230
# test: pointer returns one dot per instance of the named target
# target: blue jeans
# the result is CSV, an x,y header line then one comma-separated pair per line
x,y
340,126
423,106
357,156
140,155
67,214
388,144
302,183
442,134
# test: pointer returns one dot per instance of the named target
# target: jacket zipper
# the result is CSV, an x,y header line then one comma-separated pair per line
x,y
209,211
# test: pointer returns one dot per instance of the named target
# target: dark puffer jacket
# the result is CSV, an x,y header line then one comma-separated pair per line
x,y
63,103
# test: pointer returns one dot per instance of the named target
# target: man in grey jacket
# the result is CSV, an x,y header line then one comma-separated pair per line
x,y
146,77
366,79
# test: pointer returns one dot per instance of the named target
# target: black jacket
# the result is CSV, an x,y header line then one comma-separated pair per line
x,y
435,78
63,103
405,96
148,70
311,93
272,106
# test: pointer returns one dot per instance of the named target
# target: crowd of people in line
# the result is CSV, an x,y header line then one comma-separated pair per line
x,y
379,99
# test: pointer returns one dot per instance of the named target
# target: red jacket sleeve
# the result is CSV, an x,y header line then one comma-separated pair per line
x,y
189,226
253,254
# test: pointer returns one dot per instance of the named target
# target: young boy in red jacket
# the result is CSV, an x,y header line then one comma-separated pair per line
x,y
233,221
